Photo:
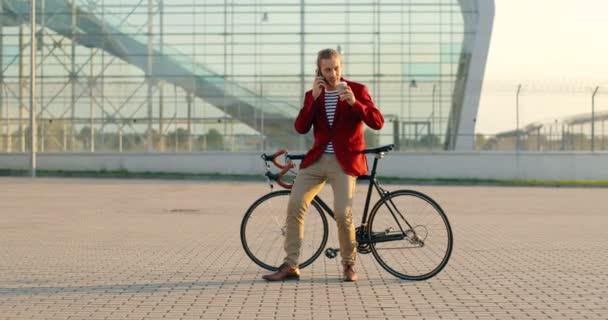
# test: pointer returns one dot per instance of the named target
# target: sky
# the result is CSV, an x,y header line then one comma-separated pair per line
x,y
557,50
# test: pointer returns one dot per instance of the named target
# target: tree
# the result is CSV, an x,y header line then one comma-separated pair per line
x,y
213,140
483,143
177,140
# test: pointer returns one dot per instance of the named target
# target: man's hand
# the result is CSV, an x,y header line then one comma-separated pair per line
x,y
348,96
317,85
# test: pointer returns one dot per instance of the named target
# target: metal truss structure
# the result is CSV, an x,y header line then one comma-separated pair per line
x,y
190,75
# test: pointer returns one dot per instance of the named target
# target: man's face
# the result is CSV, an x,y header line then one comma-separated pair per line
x,y
332,71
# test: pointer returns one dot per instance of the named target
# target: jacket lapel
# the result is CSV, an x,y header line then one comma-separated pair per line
x,y
340,107
321,102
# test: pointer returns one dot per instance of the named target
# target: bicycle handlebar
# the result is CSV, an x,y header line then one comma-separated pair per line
x,y
273,157
295,156
278,177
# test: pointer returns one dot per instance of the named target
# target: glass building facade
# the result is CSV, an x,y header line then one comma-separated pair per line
x,y
198,75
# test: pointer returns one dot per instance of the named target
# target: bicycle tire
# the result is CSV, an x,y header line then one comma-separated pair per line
x,y
262,231
408,258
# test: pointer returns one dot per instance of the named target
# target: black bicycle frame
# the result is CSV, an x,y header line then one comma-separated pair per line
x,y
373,183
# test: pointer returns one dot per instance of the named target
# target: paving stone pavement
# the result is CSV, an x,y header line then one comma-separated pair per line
x,y
158,249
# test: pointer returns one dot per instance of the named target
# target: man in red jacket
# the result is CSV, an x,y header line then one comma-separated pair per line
x,y
337,109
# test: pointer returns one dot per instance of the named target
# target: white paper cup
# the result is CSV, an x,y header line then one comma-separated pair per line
x,y
341,86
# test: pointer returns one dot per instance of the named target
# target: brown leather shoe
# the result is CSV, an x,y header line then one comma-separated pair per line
x,y
349,273
285,272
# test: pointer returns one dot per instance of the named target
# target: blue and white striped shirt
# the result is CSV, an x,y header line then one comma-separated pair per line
x,y
331,100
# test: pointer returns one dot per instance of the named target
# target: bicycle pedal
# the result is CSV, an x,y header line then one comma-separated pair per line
x,y
331,253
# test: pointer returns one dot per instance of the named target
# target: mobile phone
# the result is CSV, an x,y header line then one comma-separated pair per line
x,y
319,74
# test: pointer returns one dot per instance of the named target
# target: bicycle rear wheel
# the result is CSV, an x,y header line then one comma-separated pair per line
x,y
263,231
416,234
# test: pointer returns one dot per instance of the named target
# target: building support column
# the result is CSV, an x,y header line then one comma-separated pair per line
x,y
73,79
91,102
101,77
22,87
303,88
40,47
8,133
189,99
161,111
149,73
473,59
33,162
161,99
120,137
302,52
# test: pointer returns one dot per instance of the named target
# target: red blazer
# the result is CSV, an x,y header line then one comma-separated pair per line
x,y
346,134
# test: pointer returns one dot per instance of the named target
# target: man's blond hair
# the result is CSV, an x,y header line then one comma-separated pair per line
x,y
327,54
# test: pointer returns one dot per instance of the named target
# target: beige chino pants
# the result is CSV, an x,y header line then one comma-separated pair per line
x,y
309,182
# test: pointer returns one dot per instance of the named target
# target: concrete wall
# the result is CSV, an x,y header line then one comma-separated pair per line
x,y
479,165
499,165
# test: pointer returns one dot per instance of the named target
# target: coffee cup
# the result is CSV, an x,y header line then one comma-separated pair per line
x,y
341,86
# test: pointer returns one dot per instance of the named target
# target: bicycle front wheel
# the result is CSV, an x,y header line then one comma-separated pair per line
x,y
413,238
263,231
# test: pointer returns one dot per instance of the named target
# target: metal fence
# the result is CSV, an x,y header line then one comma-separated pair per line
x,y
569,128
554,137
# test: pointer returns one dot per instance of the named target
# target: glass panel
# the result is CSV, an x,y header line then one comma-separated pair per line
x,y
240,61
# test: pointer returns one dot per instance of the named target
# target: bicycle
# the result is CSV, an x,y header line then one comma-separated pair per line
x,y
410,244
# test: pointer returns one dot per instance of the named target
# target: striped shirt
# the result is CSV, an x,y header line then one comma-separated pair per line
x,y
331,100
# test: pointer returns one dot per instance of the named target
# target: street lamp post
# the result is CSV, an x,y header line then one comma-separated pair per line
x,y
593,119
261,84
433,109
517,143
33,89
262,117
